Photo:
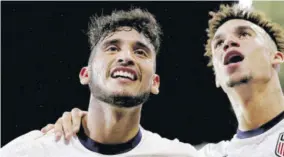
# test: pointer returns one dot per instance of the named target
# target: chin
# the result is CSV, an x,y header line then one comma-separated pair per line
x,y
237,76
236,82
122,93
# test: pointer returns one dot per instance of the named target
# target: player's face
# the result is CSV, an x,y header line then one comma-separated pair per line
x,y
242,52
124,64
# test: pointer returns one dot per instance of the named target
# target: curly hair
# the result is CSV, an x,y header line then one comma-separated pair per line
x,y
227,12
140,20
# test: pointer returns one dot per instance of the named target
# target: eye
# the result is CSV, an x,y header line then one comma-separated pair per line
x,y
244,34
218,43
141,52
112,48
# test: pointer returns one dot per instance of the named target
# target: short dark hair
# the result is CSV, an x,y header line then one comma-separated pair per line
x,y
235,11
140,20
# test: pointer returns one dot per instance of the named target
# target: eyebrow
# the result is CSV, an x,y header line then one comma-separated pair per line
x,y
112,42
241,28
217,37
237,29
118,42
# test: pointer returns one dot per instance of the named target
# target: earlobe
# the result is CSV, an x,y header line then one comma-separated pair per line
x,y
278,58
155,84
84,76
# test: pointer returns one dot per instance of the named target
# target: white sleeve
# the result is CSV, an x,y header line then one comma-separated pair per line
x,y
213,149
19,147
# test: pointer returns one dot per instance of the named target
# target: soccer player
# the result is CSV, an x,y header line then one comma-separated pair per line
x,y
121,76
246,50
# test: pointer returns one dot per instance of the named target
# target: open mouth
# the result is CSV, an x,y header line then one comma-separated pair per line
x,y
233,57
123,72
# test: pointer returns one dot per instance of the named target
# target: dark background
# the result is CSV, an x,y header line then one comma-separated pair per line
x,y
44,47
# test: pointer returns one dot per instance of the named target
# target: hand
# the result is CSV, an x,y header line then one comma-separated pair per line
x,y
68,124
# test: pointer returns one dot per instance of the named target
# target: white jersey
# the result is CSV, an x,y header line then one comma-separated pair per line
x,y
268,143
35,144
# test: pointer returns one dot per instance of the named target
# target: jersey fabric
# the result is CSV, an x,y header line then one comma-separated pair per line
x,y
35,144
265,141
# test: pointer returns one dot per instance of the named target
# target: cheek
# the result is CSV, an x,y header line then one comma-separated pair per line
x,y
217,63
218,72
99,68
147,70
255,45
259,41
102,63
217,55
258,64
256,54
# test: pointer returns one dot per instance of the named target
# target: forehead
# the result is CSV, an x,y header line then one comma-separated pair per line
x,y
128,35
231,25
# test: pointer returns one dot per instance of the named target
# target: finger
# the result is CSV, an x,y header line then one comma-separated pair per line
x,y
67,125
76,119
83,113
47,128
58,129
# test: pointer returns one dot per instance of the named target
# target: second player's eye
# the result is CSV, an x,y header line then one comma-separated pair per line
x,y
218,43
244,34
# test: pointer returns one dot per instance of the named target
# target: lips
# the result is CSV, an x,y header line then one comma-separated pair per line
x,y
233,57
123,72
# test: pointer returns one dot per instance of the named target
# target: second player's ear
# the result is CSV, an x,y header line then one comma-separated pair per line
x,y
155,84
84,76
278,58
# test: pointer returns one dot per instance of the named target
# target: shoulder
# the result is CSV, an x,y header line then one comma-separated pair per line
x,y
166,145
31,144
213,149
20,143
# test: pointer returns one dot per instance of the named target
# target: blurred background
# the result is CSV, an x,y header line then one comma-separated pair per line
x,y
44,47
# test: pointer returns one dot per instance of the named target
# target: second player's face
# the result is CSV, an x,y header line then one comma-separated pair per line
x,y
124,64
242,52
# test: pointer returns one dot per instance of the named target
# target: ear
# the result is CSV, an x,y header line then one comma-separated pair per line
x,y
155,84
84,76
277,59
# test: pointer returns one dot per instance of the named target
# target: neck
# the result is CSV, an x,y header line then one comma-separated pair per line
x,y
255,104
108,124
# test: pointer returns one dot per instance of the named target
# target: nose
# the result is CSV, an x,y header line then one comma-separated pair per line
x,y
125,58
230,43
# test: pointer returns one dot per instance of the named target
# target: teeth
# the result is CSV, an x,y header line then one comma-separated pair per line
x,y
116,73
120,73
124,74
